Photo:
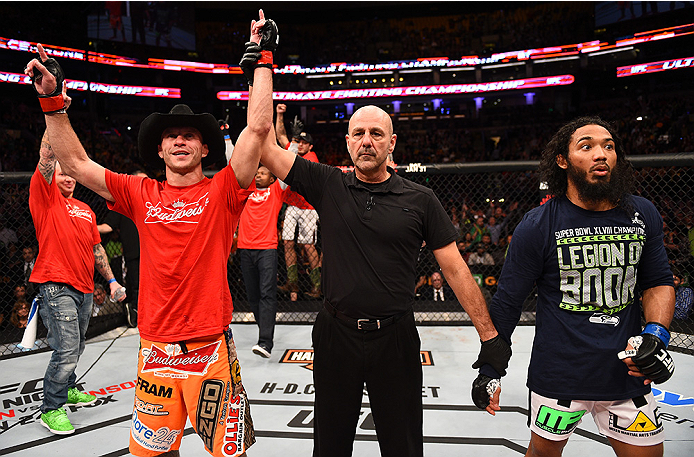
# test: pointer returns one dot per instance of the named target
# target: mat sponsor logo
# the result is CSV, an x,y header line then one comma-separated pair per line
x,y
195,362
671,398
305,357
21,401
159,440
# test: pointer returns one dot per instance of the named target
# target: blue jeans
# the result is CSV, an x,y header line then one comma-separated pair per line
x,y
259,268
65,313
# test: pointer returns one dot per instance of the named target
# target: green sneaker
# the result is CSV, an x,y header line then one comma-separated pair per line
x,y
57,422
79,398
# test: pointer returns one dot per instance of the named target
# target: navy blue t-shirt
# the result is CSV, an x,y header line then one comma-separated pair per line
x,y
589,267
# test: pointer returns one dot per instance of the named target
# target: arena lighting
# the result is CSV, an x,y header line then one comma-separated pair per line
x,y
654,67
331,75
558,59
101,88
610,51
510,64
422,62
449,89
53,51
422,70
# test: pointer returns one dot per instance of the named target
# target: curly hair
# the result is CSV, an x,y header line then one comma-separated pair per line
x,y
556,177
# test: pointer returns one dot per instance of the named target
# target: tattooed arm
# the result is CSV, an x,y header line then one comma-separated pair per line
x,y
47,159
102,266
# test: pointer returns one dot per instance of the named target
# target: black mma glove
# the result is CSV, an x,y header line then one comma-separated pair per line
x,y
53,102
249,60
260,55
495,352
297,127
484,387
649,353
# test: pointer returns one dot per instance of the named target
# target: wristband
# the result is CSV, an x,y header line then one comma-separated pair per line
x,y
112,280
658,330
52,104
265,57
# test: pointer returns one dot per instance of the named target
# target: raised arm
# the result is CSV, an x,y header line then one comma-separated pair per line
x,y
257,65
66,146
280,130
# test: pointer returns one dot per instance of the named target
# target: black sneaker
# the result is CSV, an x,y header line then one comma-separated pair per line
x,y
261,351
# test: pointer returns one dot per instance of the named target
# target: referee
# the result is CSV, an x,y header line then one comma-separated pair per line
x,y
373,223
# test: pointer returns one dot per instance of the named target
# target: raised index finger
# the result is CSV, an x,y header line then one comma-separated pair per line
x,y
261,15
42,52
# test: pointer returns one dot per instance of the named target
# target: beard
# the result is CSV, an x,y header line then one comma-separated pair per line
x,y
609,188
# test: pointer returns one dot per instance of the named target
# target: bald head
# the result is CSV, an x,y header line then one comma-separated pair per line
x,y
373,112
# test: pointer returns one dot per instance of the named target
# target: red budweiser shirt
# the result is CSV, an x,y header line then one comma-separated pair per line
x,y
291,198
258,225
186,235
66,232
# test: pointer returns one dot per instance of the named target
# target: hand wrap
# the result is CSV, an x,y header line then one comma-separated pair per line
x,y
53,102
649,353
495,352
484,387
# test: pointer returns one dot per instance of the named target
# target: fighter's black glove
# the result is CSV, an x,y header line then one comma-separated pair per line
x,y
260,55
297,127
53,102
495,352
484,387
649,353
249,60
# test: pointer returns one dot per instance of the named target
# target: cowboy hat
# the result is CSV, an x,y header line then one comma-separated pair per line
x,y
151,129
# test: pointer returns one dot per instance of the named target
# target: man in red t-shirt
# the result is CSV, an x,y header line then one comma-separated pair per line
x,y
300,219
69,247
187,363
258,253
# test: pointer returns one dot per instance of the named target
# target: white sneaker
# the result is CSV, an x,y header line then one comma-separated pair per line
x,y
261,351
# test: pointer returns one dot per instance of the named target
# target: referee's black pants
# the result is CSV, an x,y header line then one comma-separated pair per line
x,y
388,361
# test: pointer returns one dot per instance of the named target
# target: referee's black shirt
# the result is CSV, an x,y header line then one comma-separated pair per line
x,y
371,235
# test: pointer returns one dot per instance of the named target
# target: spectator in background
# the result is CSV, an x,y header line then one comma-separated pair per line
x,y
29,258
19,316
102,302
257,248
300,218
438,290
478,229
683,296
7,235
480,256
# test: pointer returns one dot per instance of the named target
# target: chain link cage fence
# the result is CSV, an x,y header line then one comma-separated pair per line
x,y
484,200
